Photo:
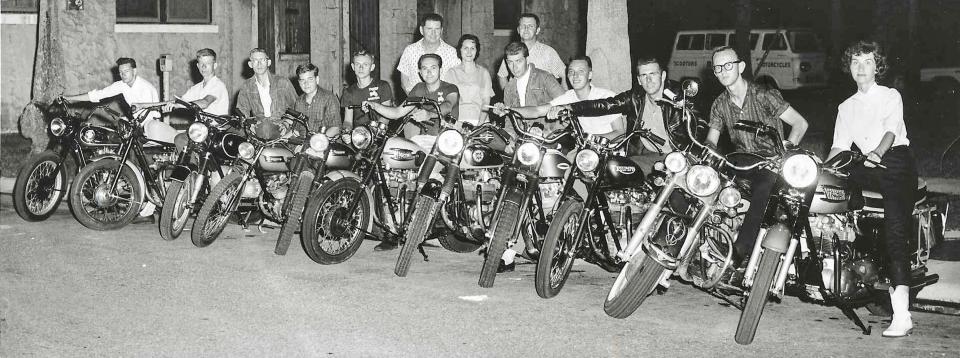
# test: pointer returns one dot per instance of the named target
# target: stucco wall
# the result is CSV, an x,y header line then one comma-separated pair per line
x,y
17,46
398,22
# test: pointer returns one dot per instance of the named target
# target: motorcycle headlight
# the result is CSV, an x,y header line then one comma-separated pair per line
x,y
587,160
319,142
361,137
702,180
675,162
198,132
89,135
730,197
528,153
450,142
800,170
57,127
246,150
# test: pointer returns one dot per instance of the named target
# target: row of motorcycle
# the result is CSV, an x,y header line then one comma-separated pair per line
x,y
480,188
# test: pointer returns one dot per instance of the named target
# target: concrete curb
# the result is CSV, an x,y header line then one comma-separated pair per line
x,y
6,185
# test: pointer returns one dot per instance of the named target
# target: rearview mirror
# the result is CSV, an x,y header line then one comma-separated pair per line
x,y
691,88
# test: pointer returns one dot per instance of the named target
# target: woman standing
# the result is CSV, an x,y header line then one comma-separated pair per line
x,y
872,118
473,80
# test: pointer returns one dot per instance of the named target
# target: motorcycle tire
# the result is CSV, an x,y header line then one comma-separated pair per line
x,y
559,249
204,232
504,226
324,208
420,223
757,300
294,211
634,283
36,181
84,189
175,213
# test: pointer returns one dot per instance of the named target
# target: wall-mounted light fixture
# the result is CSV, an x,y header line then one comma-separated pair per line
x,y
74,4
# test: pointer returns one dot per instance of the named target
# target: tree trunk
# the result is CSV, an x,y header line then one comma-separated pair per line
x,y
48,74
608,44
744,10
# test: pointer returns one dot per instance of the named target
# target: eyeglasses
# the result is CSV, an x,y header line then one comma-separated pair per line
x,y
727,66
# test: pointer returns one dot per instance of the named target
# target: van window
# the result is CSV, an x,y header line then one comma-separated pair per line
x,y
733,40
683,42
774,42
716,40
690,42
804,42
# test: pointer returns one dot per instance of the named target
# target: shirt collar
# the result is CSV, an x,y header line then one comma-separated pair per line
x,y
872,90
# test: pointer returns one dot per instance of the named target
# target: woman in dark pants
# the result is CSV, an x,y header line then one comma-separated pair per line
x,y
873,120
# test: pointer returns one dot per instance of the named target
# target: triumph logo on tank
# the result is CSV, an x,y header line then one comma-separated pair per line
x,y
623,169
401,154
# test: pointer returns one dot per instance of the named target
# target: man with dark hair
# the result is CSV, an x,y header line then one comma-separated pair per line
x,y
367,88
431,27
319,105
540,54
265,96
530,85
745,100
210,94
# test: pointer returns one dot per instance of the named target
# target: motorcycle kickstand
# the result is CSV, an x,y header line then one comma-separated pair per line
x,y
423,252
847,311
243,223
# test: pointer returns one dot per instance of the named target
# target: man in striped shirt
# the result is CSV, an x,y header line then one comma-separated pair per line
x,y
541,55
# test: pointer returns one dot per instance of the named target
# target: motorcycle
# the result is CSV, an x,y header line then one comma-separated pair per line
x,y
531,187
338,214
210,147
464,198
108,193
259,182
308,166
581,226
43,180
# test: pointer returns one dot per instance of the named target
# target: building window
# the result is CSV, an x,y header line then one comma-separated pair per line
x,y
19,6
163,11
295,27
505,14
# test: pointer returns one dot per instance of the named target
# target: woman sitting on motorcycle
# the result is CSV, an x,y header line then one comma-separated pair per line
x,y
872,118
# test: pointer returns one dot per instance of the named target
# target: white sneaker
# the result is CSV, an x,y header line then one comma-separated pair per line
x,y
147,209
900,326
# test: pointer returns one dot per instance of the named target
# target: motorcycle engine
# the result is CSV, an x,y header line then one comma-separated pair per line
x,y
638,201
550,192
401,178
276,186
487,179
824,227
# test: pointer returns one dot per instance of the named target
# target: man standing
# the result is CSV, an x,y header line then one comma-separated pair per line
x,y
542,55
530,85
319,105
431,27
265,95
745,100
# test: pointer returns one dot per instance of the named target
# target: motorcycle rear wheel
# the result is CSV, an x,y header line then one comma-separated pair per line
x,y
420,223
175,213
294,211
757,300
92,182
38,190
327,207
559,249
215,211
503,227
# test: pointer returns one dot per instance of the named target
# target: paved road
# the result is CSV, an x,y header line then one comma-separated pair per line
x,y
69,291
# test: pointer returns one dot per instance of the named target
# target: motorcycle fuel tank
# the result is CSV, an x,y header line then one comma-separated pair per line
x,y
554,164
402,153
831,196
340,156
478,156
275,159
623,173
226,144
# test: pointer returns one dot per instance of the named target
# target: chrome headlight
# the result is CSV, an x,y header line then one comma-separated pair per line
x,y
800,170
57,127
361,137
450,142
198,132
730,197
319,142
246,150
89,135
702,180
675,162
528,153
587,160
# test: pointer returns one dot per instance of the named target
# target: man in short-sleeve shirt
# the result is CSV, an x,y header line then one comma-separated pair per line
x,y
541,54
210,93
366,89
431,27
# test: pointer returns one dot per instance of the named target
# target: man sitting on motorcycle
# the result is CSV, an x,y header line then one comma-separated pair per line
x,y
872,118
745,100
265,96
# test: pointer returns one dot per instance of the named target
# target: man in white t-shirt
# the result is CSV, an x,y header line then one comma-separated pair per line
x,y
541,54
431,27
210,94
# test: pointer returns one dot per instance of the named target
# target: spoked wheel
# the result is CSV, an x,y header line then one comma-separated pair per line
x,y
329,233
420,223
759,294
176,207
559,249
98,206
216,209
40,187
636,280
504,226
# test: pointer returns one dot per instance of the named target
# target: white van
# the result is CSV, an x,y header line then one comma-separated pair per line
x,y
795,58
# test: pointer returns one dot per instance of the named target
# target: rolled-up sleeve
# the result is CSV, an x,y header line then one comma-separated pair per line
x,y
892,113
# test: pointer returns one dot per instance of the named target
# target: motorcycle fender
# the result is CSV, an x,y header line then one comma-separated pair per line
x,y
182,171
136,171
777,238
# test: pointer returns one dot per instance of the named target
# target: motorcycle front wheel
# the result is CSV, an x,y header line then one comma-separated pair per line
x,y
420,223
216,209
96,205
559,249
175,210
759,294
503,227
294,211
635,281
40,187
329,233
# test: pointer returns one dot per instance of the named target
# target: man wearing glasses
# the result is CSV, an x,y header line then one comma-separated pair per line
x,y
745,100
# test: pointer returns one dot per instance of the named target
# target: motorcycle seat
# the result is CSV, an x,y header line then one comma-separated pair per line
x,y
873,201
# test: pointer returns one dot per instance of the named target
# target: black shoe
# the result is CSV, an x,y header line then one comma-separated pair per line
x,y
505,267
143,220
385,245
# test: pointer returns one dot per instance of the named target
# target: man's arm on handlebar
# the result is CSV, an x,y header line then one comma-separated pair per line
x,y
390,112
531,112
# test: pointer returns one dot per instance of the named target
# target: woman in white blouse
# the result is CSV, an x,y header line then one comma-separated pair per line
x,y
872,118
472,79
